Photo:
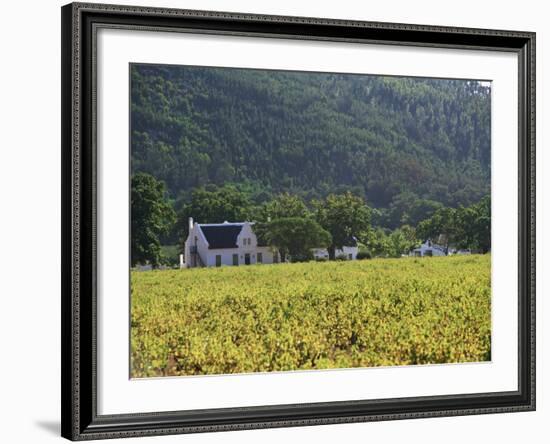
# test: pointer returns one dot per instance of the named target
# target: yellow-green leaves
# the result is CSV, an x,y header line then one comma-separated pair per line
x,y
311,316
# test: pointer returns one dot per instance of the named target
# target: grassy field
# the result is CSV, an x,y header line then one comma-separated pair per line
x,y
263,318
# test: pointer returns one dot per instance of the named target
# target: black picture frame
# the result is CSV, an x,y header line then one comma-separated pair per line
x,y
80,420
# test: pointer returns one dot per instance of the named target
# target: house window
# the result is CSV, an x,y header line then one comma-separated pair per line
x,y
260,258
218,260
350,256
235,259
428,253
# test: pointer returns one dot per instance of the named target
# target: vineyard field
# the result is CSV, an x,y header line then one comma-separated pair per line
x,y
315,315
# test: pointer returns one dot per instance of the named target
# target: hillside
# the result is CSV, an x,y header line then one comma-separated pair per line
x,y
311,134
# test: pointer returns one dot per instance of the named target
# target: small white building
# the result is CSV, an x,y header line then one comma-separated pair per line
x,y
428,248
228,243
348,251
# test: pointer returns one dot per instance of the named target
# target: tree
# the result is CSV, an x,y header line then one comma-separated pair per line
x,y
377,242
295,236
462,227
473,226
410,237
284,205
482,224
408,208
393,244
442,223
152,216
343,216
214,205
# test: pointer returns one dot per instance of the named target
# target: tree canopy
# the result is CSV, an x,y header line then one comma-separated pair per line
x,y
151,217
313,134
214,205
343,216
463,227
295,236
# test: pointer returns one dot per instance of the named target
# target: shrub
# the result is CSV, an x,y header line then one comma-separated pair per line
x,y
364,255
301,257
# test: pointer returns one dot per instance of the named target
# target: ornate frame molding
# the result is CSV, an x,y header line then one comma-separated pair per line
x,y
79,392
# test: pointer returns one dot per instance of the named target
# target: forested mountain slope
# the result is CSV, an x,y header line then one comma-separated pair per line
x,y
384,138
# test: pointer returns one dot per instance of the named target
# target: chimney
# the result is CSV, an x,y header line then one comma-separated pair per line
x,y
190,224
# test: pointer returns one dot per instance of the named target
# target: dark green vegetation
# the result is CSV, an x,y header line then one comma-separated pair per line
x,y
296,236
312,134
463,227
411,155
152,216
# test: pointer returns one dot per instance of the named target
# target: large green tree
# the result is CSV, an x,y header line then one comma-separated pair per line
x,y
152,216
462,227
473,226
400,241
214,204
343,216
284,205
442,223
295,236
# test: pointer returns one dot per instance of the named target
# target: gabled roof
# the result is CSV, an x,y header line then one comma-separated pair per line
x,y
221,235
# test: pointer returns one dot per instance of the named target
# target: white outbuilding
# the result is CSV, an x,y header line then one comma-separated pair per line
x,y
428,248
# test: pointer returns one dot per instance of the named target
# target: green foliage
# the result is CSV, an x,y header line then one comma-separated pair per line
x,y
363,255
170,255
295,236
152,216
312,315
407,208
312,134
385,243
284,205
462,227
343,216
213,205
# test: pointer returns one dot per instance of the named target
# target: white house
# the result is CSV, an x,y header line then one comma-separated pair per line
x,y
228,243
348,251
428,248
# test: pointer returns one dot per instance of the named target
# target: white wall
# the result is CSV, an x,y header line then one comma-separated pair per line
x,y
209,256
30,259
227,255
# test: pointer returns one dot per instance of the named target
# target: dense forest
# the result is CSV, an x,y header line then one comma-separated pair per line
x,y
407,146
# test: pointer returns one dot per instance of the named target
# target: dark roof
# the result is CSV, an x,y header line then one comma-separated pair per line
x,y
221,236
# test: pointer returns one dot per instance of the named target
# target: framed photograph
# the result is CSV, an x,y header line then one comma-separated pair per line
x,y
282,221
